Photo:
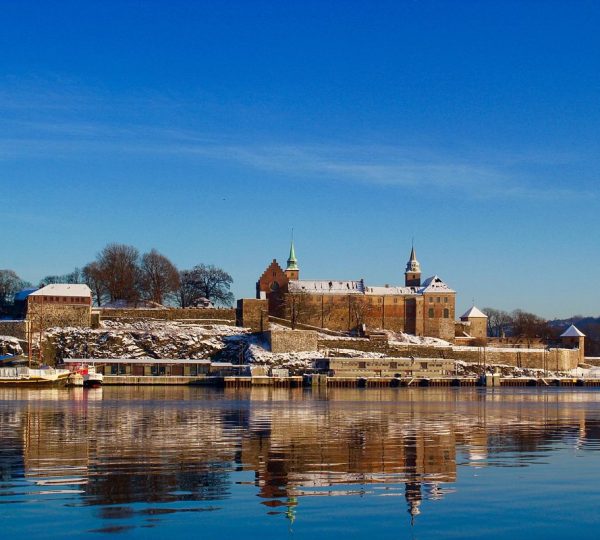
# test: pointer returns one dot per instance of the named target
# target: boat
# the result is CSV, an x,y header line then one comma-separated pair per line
x,y
91,378
25,376
83,374
75,379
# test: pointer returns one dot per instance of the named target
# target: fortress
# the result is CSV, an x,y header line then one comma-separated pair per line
x,y
422,308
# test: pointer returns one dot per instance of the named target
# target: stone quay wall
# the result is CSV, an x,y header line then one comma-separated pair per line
x,y
552,359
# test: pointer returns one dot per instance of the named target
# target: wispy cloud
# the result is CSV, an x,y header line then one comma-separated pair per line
x,y
474,173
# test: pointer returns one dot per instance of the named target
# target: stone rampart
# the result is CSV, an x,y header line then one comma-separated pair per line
x,y
552,359
252,313
209,315
44,316
16,329
283,341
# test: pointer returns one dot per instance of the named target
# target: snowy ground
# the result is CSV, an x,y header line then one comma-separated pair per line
x,y
147,338
10,345
183,339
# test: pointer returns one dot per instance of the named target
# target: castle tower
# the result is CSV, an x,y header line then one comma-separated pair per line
x,y
292,271
477,322
573,338
412,276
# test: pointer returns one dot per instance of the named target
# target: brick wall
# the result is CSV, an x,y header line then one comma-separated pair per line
x,y
397,313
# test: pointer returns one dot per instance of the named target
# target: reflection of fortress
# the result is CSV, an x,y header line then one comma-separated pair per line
x,y
122,451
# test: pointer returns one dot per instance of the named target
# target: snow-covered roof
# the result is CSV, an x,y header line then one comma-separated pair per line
x,y
382,291
572,331
322,286
473,313
326,287
64,289
435,284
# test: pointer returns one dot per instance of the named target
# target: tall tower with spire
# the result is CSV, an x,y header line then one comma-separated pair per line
x,y
412,276
292,271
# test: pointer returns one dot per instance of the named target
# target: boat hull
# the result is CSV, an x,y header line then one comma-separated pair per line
x,y
35,383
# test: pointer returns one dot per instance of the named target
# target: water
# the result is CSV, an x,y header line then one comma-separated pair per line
x,y
168,462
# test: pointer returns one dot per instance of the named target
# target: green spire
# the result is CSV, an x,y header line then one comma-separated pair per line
x,y
292,262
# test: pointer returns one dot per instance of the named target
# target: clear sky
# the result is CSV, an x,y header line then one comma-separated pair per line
x,y
209,129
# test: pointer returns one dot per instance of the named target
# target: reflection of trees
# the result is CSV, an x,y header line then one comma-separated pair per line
x,y
203,482
11,445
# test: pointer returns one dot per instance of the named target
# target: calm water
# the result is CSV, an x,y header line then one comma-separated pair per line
x,y
262,463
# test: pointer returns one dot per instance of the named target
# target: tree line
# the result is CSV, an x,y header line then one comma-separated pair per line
x,y
120,273
518,323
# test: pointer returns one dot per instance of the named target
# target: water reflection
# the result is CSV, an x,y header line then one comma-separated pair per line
x,y
133,452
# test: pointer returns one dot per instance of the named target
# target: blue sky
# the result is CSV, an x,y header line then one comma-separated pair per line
x,y
209,129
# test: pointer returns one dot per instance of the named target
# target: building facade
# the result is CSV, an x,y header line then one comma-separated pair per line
x,y
61,304
422,308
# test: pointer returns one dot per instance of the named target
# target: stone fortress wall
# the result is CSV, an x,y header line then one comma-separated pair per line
x,y
552,359
42,316
225,316
282,341
17,329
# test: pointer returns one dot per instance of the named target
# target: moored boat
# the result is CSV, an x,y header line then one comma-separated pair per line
x,y
91,378
83,374
25,376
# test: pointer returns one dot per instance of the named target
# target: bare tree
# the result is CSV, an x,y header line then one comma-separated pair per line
x,y
205,281
120,272
359,309
159,277
76,276
93,278
299,308
187,294
499,322
10,283
529,325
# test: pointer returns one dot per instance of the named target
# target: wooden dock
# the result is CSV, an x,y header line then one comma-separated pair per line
x,y
351,382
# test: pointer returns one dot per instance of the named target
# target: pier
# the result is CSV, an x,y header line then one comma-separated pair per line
x,y
317,380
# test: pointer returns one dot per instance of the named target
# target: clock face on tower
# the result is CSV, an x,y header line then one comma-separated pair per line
x,y
274,286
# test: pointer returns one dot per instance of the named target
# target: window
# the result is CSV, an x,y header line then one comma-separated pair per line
x,y
362,365
445,299
446,313
395,300
438,299
431,313
393,365
423,365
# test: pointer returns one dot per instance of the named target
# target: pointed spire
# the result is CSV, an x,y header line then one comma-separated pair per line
x,y
413,265
292,262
